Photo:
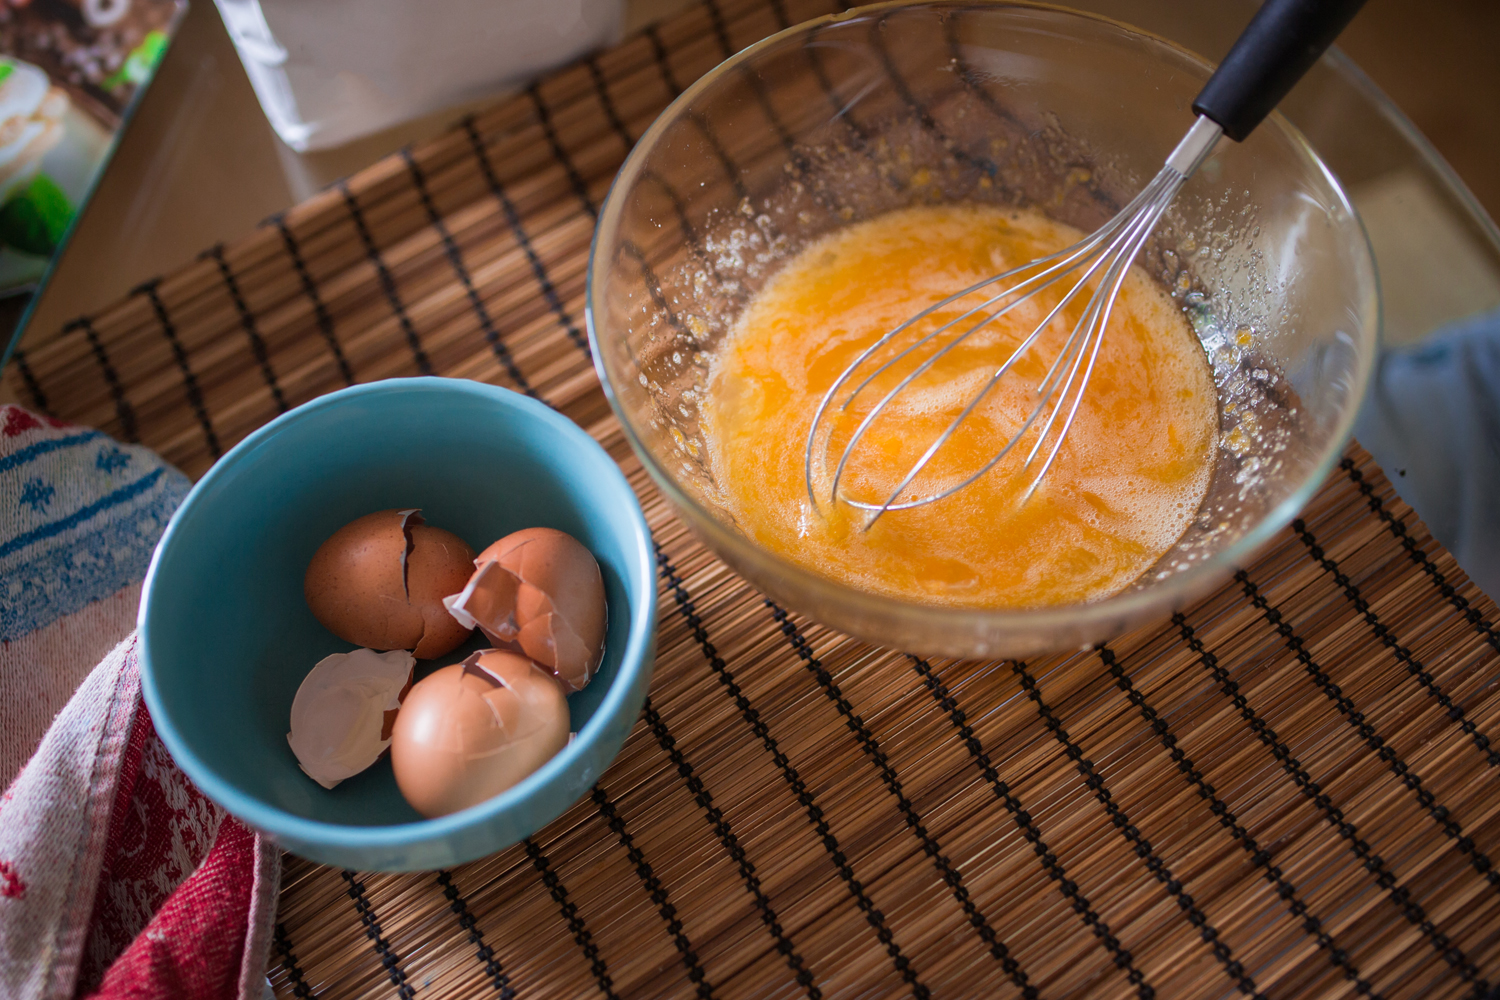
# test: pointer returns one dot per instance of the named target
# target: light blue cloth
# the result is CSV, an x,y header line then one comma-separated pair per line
x,y
1432,421
80,514
79,517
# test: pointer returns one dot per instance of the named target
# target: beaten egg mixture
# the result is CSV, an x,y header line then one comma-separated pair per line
x,y
1129,478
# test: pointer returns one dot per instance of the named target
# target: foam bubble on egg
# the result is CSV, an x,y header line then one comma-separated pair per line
x,y
345,710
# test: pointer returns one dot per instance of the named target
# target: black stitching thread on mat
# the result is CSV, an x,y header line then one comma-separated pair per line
x,y
799,161
653,286
663,62
33,387
656,891
1398,529
731,169
247,322
690,238
733,848
1143,849
1033,834
388,957
483,951
310,288
387,282
544,116
283,945
748,712
1399,895
974,84
659,52
924,116
801,165
450,248
581,935
189,380
513,219
690,235
844,114
1378,746
123,409
720,27
1412,664
1259,857
611,113
951,876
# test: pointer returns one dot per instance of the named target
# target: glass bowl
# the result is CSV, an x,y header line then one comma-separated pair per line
x,y
850,116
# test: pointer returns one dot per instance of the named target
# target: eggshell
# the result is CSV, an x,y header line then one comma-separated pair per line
x,y
469,731
488,601
345,711
540,589
379,582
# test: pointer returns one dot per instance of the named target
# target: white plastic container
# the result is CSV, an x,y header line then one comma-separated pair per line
x,y
330,71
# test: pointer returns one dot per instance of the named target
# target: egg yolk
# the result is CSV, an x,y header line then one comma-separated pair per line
x,y
1132,470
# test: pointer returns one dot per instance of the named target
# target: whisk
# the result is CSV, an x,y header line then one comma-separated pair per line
x,y
1282,41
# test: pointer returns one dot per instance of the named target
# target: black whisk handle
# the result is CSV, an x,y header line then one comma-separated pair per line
x,y
1282,41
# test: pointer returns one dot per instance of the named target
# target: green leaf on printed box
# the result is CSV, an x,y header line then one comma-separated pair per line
x,y
36,217
141,62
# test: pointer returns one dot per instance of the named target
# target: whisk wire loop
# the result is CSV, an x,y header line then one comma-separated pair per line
x,y
1086,322
1072,257
1101,307
1112,248
953,426
1045,390
1073,254
880,407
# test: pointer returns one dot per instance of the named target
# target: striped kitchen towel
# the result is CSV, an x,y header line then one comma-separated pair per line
x,y
117,877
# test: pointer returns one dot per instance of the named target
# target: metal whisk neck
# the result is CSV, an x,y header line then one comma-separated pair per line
x,y
1195,146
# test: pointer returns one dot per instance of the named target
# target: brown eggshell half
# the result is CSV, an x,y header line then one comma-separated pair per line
x,y
560,614
379,582
469,731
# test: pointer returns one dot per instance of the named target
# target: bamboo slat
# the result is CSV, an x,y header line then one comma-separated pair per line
x,y
1290,789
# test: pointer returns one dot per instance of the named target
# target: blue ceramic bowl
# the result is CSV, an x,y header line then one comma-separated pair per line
x,y
226,636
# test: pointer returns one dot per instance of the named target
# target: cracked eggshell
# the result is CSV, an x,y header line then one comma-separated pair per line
x,y
540,589
379,582
345,712
488,601
470,731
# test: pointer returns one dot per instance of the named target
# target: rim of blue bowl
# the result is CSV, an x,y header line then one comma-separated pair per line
x,y
279,822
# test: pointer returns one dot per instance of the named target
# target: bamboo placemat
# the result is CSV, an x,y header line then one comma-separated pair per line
x,y
1288,790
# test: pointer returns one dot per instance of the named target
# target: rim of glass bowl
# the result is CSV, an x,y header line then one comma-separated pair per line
x,y
1130,604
